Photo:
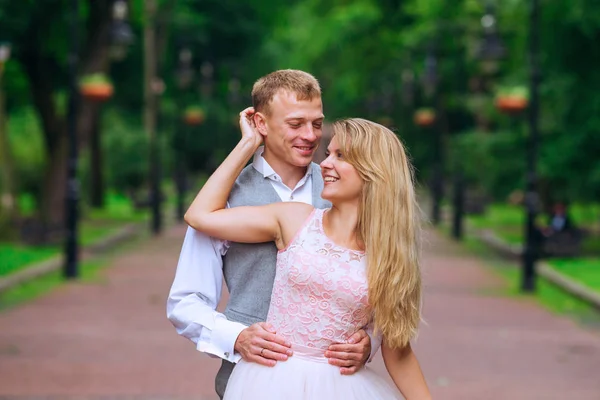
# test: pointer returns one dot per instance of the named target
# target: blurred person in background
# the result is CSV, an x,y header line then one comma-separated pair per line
x,y
558,220
290,112
338,269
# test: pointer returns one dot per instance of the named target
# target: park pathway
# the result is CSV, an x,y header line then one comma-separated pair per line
x,y
110,339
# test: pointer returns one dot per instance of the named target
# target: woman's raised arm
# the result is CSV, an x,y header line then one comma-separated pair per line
x,y
208,211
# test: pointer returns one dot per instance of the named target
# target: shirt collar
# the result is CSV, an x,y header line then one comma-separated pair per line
x,y
262,166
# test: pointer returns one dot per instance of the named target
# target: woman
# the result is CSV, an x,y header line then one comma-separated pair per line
x,y
337,269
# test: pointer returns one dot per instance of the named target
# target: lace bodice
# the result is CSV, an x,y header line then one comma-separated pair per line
x,y
320,289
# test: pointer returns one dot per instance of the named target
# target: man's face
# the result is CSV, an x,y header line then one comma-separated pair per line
x,y
293,129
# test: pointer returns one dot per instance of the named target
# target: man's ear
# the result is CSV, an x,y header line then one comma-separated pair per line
x,y
261,123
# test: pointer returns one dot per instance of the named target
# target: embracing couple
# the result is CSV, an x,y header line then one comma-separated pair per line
x,y
321,263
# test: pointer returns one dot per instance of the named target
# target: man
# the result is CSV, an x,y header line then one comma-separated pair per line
x,y
289,114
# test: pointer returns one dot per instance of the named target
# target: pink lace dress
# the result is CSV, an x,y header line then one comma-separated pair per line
x,y
319,298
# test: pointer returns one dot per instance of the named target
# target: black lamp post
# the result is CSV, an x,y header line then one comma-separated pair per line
x,y
156,196
532,239
207,71
72,189
185,74
432,90
121,35
490,48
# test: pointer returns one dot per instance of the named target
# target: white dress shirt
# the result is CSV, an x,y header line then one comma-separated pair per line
x,y
196,289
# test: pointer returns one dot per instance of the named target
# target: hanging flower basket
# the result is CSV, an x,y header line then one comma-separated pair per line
x,y
193,116
511,104
512,101
424,117
96,87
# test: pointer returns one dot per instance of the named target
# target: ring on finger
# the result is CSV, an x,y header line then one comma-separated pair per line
x,y
261,352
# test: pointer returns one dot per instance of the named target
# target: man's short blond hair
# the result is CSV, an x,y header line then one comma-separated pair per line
x,y
303,84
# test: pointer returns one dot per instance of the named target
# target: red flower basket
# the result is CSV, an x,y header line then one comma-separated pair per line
x,y
96,91
424,117
193,117
511,104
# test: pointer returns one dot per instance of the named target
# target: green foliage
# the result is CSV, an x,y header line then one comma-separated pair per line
x,y
126,150
27,148
493,162
363,52
94,78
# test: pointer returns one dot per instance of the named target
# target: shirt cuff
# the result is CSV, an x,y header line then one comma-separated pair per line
x,y
222,340
376,340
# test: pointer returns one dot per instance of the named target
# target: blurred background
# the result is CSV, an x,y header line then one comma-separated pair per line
x,y
113,113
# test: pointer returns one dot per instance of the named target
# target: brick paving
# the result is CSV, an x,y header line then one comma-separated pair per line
x,y
110,339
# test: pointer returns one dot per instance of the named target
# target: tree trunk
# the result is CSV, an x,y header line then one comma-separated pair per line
x,y
8,203
53,204
96,164
150,111
38,67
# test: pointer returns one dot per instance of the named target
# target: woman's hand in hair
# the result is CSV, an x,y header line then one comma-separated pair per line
x,y
248,127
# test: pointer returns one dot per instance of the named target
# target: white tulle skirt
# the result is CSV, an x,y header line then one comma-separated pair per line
x,y
305,376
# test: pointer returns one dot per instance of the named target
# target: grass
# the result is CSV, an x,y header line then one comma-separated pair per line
x,y
96,225
508,221
14,257
117,208
550,296
583,270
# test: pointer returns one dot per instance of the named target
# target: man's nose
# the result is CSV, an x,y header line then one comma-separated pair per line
x,y
309,133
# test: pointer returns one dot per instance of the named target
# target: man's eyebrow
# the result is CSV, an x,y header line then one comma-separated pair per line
x,y
301,118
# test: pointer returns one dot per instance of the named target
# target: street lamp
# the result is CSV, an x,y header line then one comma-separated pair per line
x,y
119,38
207,71
184,75
121,35
532,239
430,81
72,189
489,51
490,48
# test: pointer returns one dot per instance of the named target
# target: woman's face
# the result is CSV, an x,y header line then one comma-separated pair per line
x,y
342,181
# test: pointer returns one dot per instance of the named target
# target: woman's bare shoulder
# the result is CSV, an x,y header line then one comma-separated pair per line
x,y
294,209
292,214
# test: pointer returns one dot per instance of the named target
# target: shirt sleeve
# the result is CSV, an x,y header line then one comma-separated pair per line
x,y
195,294
376,340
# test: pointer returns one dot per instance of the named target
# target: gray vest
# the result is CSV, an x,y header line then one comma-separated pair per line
x,y
249,269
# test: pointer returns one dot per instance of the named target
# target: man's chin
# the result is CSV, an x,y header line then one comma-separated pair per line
x,y
303,161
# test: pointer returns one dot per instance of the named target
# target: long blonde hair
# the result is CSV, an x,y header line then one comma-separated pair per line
x,y
388,224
